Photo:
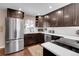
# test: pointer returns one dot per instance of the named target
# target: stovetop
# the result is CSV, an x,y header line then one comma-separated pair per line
x,y
67,47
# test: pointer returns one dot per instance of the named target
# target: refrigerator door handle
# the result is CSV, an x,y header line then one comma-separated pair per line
x,y
20,38
15,32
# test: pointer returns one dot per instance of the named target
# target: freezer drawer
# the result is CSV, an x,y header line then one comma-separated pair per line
x,y
14,46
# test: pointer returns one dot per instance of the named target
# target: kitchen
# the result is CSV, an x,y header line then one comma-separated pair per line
x,y
54,33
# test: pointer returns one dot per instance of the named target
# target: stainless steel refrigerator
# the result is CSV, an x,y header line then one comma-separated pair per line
x,y
14,35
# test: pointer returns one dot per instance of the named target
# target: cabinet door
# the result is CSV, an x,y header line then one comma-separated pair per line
x,y
39,21
76,14
40,38
46,23
60,20
53,18
69,15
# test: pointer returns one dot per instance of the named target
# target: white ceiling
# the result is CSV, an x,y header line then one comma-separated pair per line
x,y
33,8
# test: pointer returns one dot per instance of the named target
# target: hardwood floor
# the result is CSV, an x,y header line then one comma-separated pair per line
x,y
35,50
24,52
2,52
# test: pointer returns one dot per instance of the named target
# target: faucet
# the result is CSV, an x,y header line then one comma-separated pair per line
x,y
31,29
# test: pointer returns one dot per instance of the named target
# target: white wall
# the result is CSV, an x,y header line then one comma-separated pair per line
x,y
3,14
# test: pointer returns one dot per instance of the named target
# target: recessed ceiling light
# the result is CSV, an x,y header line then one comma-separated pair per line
x,y
46,16
59,12
50,7
40,17
19,12
20,9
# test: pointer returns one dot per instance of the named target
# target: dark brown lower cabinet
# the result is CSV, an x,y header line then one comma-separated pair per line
x,y
47,52
31,39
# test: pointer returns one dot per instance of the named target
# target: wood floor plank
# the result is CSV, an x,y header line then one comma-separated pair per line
x,y
27,51
2,52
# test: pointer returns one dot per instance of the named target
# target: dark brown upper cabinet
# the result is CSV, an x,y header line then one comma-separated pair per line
x,y
76,14
47,21
68,14
53,19
39,21
56,18
63,17
60,21
15,13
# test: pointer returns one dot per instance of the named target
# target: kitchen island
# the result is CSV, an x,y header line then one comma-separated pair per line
x,y
58,50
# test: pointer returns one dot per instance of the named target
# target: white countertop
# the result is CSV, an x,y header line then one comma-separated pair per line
x,y
32,32
61,35
58,50
65,36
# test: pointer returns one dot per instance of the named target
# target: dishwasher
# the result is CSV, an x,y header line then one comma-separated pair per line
x,y
47,38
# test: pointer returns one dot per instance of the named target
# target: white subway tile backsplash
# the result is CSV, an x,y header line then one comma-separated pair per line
x,y
64,30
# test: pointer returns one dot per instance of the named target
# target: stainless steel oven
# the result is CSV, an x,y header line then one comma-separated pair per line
x,y
47,38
